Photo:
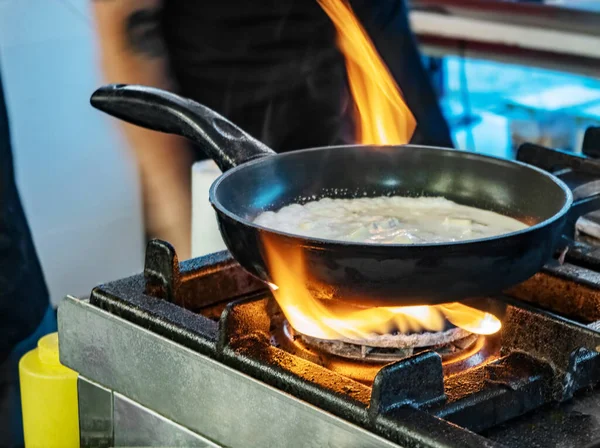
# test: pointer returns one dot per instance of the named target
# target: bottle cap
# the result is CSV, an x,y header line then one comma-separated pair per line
x,y
48,349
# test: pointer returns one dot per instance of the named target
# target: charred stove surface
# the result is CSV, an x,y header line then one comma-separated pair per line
x,y
545,358
495,393
198,282
567,347
573,424
525,374
567,289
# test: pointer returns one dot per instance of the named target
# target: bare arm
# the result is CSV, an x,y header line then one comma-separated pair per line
x,y
133,52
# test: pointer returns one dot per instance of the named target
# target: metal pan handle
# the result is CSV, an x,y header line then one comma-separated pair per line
x,y
162,111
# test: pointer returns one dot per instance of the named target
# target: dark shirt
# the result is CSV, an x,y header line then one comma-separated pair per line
x,y
272,67
23,293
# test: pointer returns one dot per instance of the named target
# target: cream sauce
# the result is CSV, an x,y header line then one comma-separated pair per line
x,y
388,220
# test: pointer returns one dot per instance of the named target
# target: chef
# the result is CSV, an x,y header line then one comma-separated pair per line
x,y
270,66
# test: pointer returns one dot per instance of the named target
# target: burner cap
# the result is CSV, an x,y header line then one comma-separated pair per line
x,y
410,340
390,347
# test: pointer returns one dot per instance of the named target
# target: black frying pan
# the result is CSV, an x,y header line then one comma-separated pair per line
x,y
255,179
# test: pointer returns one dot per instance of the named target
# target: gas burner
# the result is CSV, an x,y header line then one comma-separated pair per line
x,y
389,347
404,341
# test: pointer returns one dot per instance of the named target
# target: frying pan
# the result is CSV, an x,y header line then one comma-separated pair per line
x,y
256,179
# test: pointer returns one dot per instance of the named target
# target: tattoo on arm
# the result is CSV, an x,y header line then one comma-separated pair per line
x,y
144,34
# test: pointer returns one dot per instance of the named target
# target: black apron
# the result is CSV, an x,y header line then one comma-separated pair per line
x,y
272,67
24,298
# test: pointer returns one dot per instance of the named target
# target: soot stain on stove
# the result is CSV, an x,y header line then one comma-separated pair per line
x,y
553,426
559,294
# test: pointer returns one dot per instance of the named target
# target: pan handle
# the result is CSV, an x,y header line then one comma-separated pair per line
x,y
163,111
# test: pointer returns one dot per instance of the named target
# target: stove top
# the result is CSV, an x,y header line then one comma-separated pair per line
x,y
532,384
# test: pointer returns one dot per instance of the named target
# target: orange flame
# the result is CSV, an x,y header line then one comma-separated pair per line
x,y
382,116
333,320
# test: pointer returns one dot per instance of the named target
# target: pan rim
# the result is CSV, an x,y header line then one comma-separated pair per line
x,y
353,244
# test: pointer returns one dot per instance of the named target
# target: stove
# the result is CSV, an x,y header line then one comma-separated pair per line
x,y
200,354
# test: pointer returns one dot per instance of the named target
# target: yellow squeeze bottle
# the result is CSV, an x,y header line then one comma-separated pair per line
x,y
49,398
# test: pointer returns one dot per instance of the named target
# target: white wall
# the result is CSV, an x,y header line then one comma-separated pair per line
x,y
78,188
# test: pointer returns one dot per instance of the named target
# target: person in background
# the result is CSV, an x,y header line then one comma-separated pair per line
x,y
25,311
270,66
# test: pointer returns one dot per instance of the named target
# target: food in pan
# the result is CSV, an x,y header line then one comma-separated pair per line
x,y
388,220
